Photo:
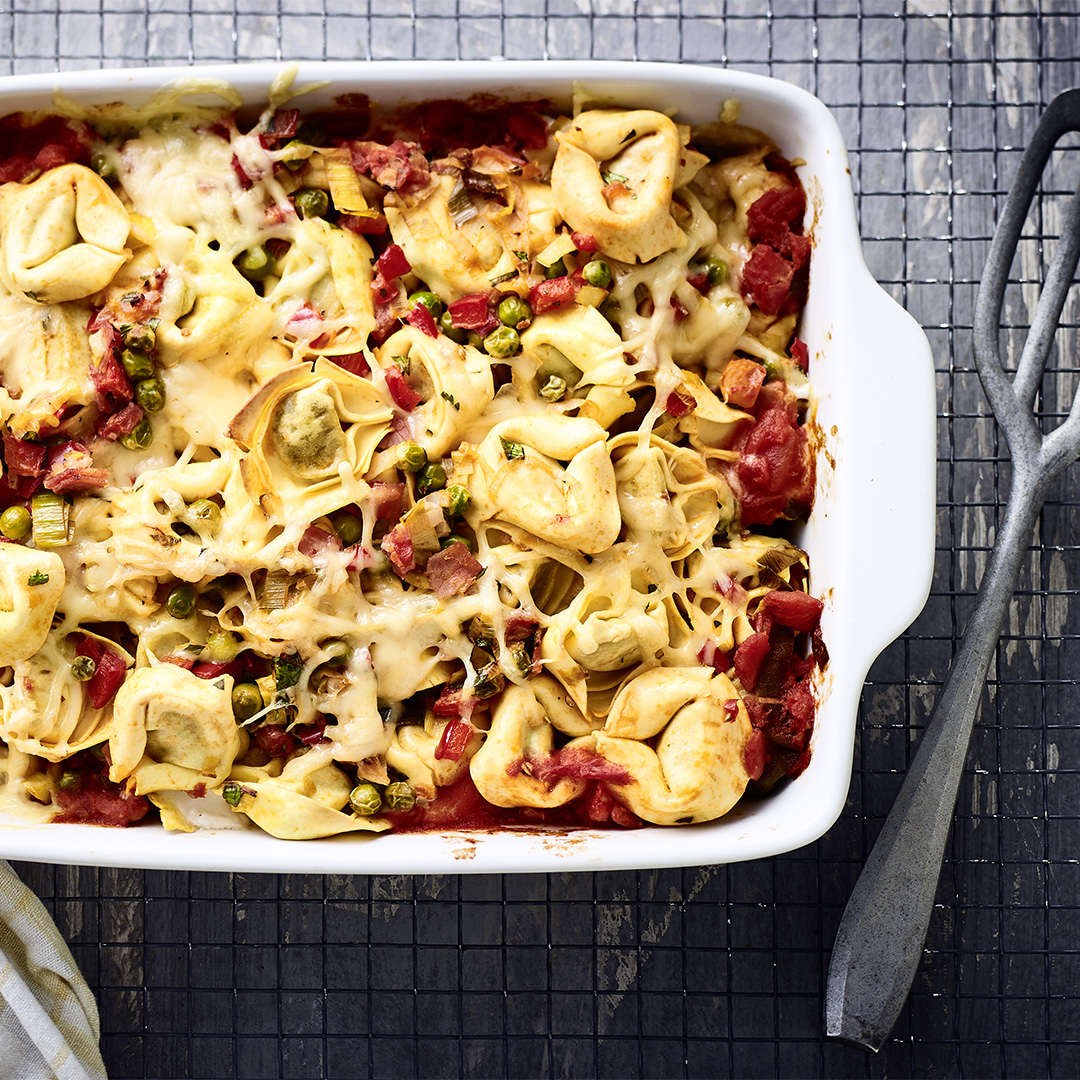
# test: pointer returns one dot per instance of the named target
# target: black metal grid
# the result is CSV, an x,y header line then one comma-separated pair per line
x,y
700,972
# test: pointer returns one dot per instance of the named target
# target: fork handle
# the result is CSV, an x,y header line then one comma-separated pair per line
x,y
881,936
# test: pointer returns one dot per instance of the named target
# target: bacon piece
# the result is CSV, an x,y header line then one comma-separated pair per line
x,y
577,764
397,547
623,817
282,126
677,405
700,282
364,225
740,382
585,242
452,570
520,625
776,213
386,500
422,319
305,322
95,800
766,279
28,149
748,658
472,312
110,672
392,263
110,380
617,190
311,734
798,610
179,660
400,166
23,458
121,423
241,173
213,669
70,468
354,363
556,293
731,709
711,655
455,738
142,304
275,740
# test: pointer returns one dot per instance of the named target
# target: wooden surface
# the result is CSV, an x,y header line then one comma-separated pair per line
x,y
703,972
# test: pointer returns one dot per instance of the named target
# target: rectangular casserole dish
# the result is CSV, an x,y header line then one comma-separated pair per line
x,y
873,516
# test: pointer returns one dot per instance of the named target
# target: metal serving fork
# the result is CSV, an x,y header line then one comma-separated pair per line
x,y
881,936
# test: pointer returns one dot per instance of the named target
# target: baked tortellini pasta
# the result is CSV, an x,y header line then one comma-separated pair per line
x,y
417,469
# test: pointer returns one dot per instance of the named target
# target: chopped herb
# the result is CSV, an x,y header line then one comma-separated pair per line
x,y
37,578
632,135
612,178
287,671
403,362
523,256
31,296
450,398
232,793
512,450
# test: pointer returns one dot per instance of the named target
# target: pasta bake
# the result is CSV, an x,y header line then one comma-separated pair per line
x,y
402,469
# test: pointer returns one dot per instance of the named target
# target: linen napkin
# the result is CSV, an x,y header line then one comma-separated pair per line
x,y
48,1017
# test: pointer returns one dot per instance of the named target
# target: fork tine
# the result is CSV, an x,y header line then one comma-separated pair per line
x,y
1061,116
1059,280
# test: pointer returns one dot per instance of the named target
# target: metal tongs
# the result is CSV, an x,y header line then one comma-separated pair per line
x,y
883,930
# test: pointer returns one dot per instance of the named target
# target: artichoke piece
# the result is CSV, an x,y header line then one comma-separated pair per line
x,y
63,236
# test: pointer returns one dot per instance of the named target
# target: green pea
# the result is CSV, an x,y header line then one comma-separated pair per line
x,y
256,263
554,389
83,668
429,300
716,270
204,516
140,437
247,700
140,336
222,646
180,603
150,395
597,273
431,478
474,339
15,523
513,311
365,799
457,538
103,165
348,526
232,793
456,334
556,269
137,364
311,134
460,499
502,343
411,456
311,202
295,164
400,797
69,779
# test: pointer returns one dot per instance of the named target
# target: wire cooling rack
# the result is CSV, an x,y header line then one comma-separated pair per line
x,y
700,972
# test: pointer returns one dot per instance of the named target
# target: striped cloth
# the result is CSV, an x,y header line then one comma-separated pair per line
x,y
48,1017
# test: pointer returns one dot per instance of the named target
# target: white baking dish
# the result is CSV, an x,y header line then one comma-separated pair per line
x,y
871,537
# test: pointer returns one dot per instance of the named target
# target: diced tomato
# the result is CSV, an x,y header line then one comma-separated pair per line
x,y
472,312
392,263
740,382
754,755
454,741
556,293
748,658
405,397
797,610
422,319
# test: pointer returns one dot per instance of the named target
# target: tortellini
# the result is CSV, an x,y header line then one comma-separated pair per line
x,y
31,583
614,176
64,235
520,477
172,731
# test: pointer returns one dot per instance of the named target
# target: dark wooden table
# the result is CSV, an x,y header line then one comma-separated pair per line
x,y
712,971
